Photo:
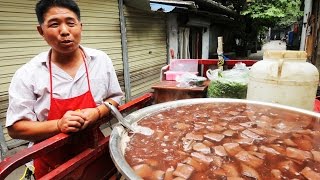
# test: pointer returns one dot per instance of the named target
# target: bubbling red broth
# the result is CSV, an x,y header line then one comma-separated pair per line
x,y
226,141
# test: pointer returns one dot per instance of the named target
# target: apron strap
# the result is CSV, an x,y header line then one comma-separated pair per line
x,y
85,64
50,71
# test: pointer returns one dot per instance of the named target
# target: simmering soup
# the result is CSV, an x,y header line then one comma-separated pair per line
x,y
226,141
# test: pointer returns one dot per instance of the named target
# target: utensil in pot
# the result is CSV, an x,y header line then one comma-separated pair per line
x,y
134,128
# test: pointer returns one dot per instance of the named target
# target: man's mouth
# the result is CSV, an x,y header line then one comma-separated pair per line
x,y
66,41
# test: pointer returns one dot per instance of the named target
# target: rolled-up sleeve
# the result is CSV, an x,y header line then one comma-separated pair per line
x,y
21,99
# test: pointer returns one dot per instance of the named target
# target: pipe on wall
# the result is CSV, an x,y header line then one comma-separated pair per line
x,y
126,72
306,15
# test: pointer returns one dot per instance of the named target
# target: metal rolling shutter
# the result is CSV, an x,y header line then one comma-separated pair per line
x,y
147,48
101,30
20,41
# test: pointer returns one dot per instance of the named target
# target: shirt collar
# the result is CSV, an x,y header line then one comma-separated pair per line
x,y
44,57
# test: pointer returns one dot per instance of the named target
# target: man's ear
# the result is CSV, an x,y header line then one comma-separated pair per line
x,y
40,30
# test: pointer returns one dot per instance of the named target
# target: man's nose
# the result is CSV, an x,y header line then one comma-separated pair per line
x,y
64,30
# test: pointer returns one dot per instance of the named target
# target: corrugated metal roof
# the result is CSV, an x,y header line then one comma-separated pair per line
x,y
202,5
189,4
145,5
210,4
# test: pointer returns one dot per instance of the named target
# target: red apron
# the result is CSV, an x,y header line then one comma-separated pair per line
x,y
317,104
58,107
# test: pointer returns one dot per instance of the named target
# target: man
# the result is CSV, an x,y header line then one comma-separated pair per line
x,y
61,90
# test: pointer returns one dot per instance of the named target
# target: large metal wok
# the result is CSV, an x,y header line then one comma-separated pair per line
x,y
118,133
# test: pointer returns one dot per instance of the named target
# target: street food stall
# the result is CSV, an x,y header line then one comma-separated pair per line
x,y
210,138
194,137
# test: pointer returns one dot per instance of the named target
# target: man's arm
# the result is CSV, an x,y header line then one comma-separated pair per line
x,y
104,110
35,131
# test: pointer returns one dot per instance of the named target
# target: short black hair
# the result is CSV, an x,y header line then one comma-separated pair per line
x,y
44,5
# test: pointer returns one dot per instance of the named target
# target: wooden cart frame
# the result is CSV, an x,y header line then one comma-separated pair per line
x,y
93,162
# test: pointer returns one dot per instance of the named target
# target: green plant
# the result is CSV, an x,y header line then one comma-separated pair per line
x,y
274,12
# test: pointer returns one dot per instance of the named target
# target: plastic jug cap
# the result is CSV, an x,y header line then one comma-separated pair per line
x,y
294,55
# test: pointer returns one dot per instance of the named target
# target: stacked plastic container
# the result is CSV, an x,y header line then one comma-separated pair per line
x,y
178,67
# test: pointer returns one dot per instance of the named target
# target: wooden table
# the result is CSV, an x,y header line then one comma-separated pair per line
x,y
168,91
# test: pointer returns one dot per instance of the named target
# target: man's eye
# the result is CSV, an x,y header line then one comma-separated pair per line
x,y
53,25
71,24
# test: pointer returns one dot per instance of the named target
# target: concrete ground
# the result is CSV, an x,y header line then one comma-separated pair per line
x,y
16,174
272,45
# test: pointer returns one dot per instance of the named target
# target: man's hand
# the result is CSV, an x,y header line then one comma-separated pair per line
x,y
72,121
90,115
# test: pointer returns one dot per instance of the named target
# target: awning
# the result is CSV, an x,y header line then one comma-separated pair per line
x,y
188,4
169,5
160,5
210,4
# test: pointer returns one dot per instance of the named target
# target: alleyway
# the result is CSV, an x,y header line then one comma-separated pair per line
x,y
272,45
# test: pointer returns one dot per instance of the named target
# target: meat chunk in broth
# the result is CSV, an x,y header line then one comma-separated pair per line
x,y
288,166
257,154
289,142
215,128
268,150
214,137
249,172
169,174
220,151
235,178
310,174
316,155
182,126
232,148
249,159
219,172
183,170
158,174
200,147
298,154
247,141
217,161
143,170
193,136
231,170
198,166
276,174
201,157
229,133
252,135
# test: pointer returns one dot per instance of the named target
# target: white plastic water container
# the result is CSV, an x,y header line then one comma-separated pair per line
x,y
284,77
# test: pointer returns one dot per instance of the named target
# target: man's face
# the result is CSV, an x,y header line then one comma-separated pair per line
x,y
61,29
